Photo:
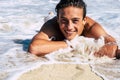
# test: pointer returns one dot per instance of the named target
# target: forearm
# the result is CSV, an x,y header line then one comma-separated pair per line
x,y
109,49
42,47
110,42
109,38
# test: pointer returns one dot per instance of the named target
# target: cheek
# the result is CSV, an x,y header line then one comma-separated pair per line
x,y
62,26
80,28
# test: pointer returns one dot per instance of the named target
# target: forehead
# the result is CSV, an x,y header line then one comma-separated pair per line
x,y
71,12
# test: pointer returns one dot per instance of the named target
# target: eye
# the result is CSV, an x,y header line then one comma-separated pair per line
x,y
75,21
63,21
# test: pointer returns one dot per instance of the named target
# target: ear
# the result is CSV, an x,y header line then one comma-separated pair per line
x,y
84,20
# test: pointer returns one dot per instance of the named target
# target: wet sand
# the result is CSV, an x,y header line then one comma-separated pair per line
x,y
61,72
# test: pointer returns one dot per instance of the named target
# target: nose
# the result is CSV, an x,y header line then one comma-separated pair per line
x,y
70,25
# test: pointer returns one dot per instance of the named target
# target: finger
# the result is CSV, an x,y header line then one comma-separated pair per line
x,y
98,54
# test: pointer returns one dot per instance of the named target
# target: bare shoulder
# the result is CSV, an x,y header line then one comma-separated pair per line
x,y
50,29
50,26
93,29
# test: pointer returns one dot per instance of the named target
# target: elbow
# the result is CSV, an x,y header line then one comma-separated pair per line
x,y
33,50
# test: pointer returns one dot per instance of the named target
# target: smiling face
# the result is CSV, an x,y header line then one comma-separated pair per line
x,y
71,21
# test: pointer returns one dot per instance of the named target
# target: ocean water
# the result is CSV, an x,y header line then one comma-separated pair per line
x,y
20,20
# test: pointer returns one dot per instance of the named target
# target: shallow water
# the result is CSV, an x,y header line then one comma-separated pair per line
x,y
21,19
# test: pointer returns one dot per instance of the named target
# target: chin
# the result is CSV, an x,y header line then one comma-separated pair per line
x,y
69,38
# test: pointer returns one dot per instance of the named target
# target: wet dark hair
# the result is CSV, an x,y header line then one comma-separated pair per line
x,y
74,3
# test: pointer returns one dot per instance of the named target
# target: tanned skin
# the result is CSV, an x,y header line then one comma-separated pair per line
x,y
67,25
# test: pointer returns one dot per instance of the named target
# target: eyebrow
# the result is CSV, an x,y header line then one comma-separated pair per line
x,y
62,17
72,18
76,18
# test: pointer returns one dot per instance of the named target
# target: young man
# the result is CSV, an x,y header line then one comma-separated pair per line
x,y
71,21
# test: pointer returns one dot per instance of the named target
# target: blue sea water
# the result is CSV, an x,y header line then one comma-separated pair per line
x,y
21,19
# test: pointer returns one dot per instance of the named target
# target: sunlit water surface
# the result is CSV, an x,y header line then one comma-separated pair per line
x,y
21,19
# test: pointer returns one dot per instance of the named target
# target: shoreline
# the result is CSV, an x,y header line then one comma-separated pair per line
x,y
59,71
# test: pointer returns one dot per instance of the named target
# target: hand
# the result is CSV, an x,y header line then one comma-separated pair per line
x,y
107,50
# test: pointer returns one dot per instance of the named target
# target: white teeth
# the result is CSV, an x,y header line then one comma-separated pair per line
x,y
69,32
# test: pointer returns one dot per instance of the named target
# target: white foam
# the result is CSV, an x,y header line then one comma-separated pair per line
x,y
82,53
21,19
50,16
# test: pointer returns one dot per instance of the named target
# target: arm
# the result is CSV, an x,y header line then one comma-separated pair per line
x,y
95,31
41,44
109,49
